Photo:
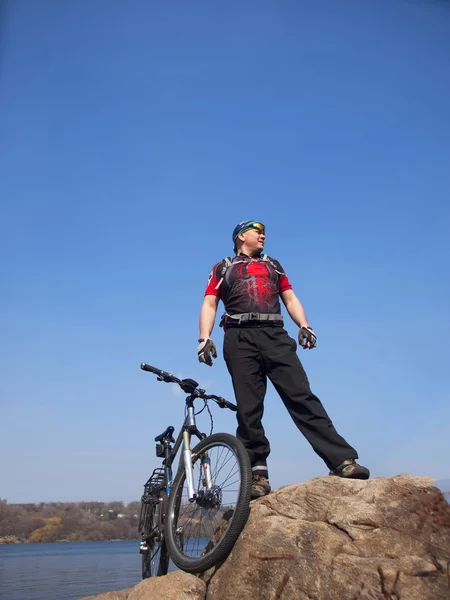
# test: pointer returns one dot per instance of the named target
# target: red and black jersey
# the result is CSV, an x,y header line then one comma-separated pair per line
x,y
249,285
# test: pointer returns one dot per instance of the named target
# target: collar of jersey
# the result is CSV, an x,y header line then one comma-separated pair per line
x,y
242,255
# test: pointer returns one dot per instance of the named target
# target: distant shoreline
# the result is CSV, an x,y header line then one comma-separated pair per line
x,y
68,522
12,540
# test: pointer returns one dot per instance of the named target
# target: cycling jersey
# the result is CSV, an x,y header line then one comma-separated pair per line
x,y
249,285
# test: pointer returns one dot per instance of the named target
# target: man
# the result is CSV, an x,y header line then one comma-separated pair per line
x,y
256,346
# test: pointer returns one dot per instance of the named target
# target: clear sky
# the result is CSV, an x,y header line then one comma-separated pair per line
x,y
133,136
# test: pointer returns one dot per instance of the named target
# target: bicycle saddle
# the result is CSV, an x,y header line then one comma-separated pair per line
x,y
166,434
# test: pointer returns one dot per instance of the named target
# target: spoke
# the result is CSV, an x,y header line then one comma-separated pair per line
x,y
216,521
197,546
218,458
221,457
187,528
231,483
222,466
232,474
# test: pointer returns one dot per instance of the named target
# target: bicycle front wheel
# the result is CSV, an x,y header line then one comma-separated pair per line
x,y
201,533
155,557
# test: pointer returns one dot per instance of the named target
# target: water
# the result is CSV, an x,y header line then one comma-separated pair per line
x,y
67,571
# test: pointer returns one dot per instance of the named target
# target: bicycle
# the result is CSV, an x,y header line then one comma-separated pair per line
x,y
195,518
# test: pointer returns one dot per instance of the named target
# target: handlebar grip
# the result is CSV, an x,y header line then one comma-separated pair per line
x,y
231,406
161,375
150,369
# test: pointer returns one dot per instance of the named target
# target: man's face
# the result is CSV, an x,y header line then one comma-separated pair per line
x,y
254,239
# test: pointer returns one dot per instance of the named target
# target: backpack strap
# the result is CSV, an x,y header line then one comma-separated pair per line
x,y
266,258
226,263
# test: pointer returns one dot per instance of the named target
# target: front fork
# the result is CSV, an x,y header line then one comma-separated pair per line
x,y
188,469
206,466
187,455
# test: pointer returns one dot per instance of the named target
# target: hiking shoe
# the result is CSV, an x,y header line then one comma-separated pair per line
x,y
351,470
260,487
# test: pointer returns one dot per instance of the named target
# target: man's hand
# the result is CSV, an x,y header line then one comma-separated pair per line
x,y
205,349
307,338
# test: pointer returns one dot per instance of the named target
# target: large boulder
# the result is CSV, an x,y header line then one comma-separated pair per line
x,y
328,539
336,539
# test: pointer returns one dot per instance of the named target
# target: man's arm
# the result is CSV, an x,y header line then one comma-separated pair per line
x,y
208,315
294,308
306,337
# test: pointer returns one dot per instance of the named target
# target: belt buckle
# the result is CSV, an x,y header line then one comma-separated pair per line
x,y
253,316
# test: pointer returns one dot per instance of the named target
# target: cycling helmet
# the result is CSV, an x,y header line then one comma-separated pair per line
x,y
244,226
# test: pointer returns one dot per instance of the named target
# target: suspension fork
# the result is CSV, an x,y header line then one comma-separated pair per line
x,y
191,427
206,466
187,455
188,469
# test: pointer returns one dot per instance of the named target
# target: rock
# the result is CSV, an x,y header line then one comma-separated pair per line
x,y
337,539
122,595
174,586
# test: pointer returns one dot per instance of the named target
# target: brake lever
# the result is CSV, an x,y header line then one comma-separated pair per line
x,y
221,402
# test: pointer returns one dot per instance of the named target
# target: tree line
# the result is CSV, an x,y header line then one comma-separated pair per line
x,y
68,521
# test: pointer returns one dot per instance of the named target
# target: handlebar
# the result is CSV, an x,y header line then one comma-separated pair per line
x,y
189,386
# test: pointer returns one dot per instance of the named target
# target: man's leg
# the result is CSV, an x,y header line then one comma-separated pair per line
x,y
286,372
246,368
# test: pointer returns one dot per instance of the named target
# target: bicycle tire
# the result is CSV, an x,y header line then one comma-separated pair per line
x,y
218,549
155,559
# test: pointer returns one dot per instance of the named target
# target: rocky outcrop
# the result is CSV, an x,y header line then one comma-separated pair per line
x,y
335,539
121,595
174,586
332,539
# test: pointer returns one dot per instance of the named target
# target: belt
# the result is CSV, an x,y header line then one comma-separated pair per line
x,y
251,316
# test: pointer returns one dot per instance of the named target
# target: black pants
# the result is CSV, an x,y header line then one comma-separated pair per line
x,y
254,353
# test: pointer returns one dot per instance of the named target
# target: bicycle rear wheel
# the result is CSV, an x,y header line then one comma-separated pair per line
x,y
154,554
201,533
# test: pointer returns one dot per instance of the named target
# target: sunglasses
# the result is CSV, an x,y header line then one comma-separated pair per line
x,y
259,226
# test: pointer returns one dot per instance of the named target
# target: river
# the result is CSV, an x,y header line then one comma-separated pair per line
x,y
67,571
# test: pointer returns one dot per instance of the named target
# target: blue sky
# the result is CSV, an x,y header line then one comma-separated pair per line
x,y
133,137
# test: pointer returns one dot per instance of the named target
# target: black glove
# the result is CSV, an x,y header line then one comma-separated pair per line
x,y
205,349
307,338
